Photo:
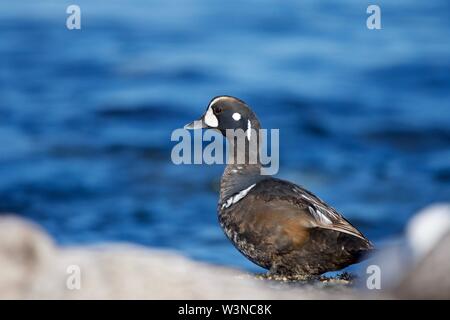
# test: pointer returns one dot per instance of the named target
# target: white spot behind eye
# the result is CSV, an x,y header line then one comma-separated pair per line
x,y
211,119
236,116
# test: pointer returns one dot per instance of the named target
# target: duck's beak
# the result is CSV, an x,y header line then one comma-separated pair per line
x,y
197,124
206,121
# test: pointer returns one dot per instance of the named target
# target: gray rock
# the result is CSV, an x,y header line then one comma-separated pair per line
x,y
34,268
430,277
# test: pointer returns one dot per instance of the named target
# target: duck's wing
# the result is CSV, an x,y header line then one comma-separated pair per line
x,y
318,213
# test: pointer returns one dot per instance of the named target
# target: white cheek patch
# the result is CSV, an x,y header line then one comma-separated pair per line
x,y
236,116
211,119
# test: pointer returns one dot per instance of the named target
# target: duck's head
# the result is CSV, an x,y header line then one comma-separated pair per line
x,y
226,112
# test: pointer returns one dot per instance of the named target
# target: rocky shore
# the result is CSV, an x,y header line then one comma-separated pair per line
x,y
33,267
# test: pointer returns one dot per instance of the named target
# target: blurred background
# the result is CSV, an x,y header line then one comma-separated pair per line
x,y
86,115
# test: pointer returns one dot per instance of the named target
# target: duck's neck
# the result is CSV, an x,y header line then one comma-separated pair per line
x,y
244,166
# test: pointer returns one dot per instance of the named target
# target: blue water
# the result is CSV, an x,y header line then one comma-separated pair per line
x,y
86,116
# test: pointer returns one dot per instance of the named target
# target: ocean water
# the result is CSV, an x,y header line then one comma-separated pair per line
x,y
86,115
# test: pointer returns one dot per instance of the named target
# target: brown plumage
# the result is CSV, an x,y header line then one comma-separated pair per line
x,y
273,227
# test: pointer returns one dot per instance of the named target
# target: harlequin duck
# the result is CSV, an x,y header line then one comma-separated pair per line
x,y
276,224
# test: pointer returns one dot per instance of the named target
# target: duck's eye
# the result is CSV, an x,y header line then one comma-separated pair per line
x,y
218,110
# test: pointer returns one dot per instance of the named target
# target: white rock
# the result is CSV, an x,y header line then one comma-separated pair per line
x,y
427,227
